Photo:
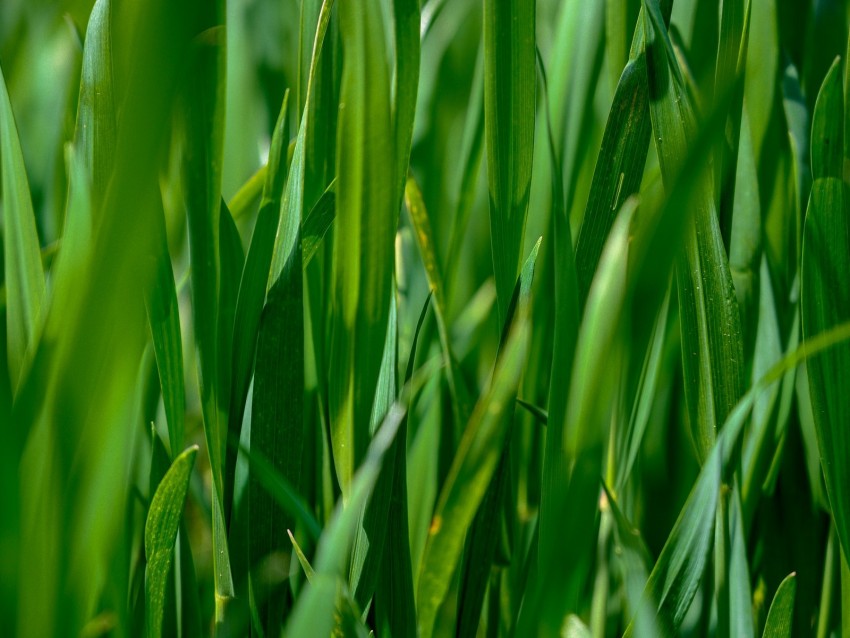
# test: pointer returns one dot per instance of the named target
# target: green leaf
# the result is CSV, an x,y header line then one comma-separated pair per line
x,y
619,168
366,221
425,241
317,223
780,618
95,132
313,611
712,348
394,597
471,470
509,108
481,542
254,281
160,534
203,119
164,322
277,425
24,273
677,573
826,303
825,299
305,564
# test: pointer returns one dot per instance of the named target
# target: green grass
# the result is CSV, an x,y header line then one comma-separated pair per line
x,y
425,318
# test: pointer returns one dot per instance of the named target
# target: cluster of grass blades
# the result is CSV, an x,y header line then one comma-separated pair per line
x,y
422,318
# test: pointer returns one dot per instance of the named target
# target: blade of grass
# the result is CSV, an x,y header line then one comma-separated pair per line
x,y
161,533
277,426
780,617
365,227
164,322
394,599
254,281
24,273
482,542
204,97
509,107
470,474
712,350
825,301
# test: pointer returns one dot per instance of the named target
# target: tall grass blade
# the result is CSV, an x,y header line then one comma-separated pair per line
x,y
366,221
825,298
509,108
712,349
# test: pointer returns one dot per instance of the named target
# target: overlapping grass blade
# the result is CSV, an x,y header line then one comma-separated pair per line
x,y
314,610
825,298
203,119
254,281
712,349
469,476
509,108
160,534
24,273
394,600
366,221
277,426
481,540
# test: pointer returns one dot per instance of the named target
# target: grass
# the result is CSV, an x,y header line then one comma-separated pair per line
x,y
425,318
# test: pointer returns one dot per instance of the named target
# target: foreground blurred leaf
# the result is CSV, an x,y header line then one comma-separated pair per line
x,y
160,533
24,272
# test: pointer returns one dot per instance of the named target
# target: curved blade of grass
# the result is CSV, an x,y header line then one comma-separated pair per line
x,y
737,604
232,262
250,193
481,540
406,22
367,217
160,534
779,623
472,468
164,322
509,110
24,273
712,349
